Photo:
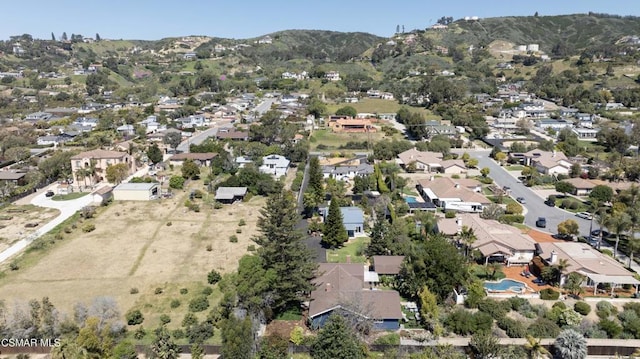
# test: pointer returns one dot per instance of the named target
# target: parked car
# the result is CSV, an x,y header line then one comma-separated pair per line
x,y
550,203
564,237
596,233
584,215
521,200
541,222
49,194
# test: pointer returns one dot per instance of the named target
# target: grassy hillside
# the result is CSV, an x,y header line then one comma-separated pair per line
x,y
577,31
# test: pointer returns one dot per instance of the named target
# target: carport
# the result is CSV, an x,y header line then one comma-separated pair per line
x,y
614,280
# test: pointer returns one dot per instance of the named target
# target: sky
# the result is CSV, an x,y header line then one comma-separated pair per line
x,y
243,19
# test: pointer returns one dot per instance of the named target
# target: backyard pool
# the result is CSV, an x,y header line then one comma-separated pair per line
x,y
410,199
505,285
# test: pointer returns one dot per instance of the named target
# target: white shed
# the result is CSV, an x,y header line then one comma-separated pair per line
x,y
136,191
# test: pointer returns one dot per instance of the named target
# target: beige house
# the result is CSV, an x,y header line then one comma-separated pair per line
x,y
426,161
136,191
548,162
90,167
444,192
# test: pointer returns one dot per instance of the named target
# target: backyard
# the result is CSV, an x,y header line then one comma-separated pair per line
x,y
354,249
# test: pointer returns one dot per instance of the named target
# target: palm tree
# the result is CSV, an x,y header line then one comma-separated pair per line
x,y
619,223
633,245
92,170
81,173
534,349
561,267
492,269
467,236
603,218
570,345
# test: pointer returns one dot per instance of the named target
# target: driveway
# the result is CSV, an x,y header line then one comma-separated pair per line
x,y
198,138
66,208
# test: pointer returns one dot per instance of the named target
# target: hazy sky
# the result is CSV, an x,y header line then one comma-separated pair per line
x,y
155,19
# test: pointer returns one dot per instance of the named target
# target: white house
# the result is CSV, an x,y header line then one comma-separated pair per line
x,y
332,76
275,165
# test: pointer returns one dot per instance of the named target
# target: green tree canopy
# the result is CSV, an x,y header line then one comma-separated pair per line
x,y
601,193
565,187
347,111
336,341
190,169
172,139
154,154
334,233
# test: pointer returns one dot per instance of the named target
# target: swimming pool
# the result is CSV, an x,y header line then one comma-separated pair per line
x,y
505,285
410,199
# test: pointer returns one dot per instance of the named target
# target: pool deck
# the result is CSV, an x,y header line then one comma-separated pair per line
x,y
514,272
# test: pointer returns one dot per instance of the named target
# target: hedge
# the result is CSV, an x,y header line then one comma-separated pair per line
x,y
549,294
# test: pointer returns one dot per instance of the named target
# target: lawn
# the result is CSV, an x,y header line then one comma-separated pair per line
x,y
329,140
373,105
141,245
354,248
69,196
514,168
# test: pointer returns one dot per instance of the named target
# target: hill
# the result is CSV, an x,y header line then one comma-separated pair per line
x,y
576,32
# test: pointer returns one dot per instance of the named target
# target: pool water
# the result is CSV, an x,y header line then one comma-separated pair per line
x,y
410,199
505,285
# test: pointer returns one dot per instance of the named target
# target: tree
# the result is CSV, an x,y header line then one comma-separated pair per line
x,y
124,350
176,182
273,347
601,193
570,345
190,169
237,338
569,227
485,171
534,349
560,267
163,347
64,36
254,284
574,283
428,305
633,245
484,345
347,111
117,173
334,234
472,163
316,107
315,188
172,139
575,170
98,37
336,341
17,154
197,351
53,37
565,187
154,154
618,223
283,250
500,157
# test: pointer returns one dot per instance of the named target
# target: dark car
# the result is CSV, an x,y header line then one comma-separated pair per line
x,y
550,203
596,233
541,222
49,194
564,237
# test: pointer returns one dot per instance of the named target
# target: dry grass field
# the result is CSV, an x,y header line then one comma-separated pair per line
x,y
142,245
14,218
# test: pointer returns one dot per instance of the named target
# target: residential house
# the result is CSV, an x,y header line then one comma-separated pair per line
x,y
92,165
38,116
54,140
453,194
352,125
242,161
332,76
344,288
557,125
275,165
16,178
352,219
586,134
347,172
200,159
547,162
387,265
86,122
426,161
585,120
192,121
581,258
126,130
568,112
582,186
265,40
230,194
189,56
494,240
232,134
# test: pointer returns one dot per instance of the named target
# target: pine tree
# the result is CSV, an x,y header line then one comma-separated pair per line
x,y
336,341
283,250
98,37
315,181
334,233
237,338
53,37
64,36
154,154
379,244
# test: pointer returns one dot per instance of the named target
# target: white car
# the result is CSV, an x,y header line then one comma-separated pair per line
x,y
585,215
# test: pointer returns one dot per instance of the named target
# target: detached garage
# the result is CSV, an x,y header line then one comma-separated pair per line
x,y
136,191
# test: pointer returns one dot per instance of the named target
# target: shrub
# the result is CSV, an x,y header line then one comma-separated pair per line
x,y
169,224
388,339
251,248
139,333
612,328
238,230
165,319
207,291
217,205
582,308
158,290
178,334
14,265
184,291
496,309
450,214
242,223
176,182
566,203
134,317
189,320
175,303
511,218
233,239
134,290
513,328
514,208
543,328
574,205
549,294
559,305
88,227
198,194
213,277
517,303
605,309
199,304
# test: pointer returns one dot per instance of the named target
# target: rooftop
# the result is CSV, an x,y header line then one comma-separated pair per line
x,y
135,186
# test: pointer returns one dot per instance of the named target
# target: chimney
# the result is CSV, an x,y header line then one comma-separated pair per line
x,y
457,185
348,258
554,257
327,287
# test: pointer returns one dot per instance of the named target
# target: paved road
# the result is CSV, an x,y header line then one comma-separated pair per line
x,y
200,137
313,243
66,208
264,106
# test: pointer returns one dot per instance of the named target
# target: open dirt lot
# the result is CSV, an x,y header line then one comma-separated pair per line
x,y
143,245
14,218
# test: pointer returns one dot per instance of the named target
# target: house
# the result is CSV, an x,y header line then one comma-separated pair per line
x,y
557,125
232,134
332,76
126,130
54,140
352,125
494,240
548,162
230,194
201,159
189,55
347,172
266,40
103,194
586,134
136,191
344,288
38,116
352,219
86,122
275,165
451,194
582,186
192,121
425,161
93,164
242,161
17,178
387,265
587,261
